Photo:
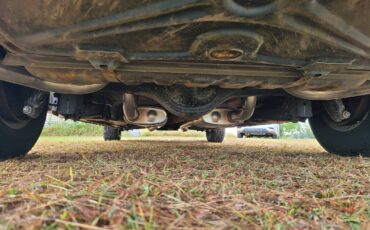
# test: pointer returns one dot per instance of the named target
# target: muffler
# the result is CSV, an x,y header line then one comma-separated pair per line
x,y
146,117
220,117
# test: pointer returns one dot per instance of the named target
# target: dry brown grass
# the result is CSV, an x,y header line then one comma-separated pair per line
x,y
184,183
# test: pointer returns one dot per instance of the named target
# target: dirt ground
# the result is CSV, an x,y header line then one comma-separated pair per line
x,y
183,183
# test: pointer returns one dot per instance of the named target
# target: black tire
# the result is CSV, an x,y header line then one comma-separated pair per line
x,y
112,134
349,139
215,135
274,136
18,133
239,135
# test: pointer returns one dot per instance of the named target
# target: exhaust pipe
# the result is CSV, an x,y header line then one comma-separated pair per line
x,y
129,107
246,112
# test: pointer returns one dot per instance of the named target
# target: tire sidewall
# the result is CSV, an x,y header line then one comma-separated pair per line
x,y
345,143
17,142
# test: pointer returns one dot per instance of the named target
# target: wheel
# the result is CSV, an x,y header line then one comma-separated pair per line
x,y
18,132
239,135
215,135
112,134
274,136
346,138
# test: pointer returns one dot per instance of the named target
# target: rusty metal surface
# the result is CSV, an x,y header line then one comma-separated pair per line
x,y
303,46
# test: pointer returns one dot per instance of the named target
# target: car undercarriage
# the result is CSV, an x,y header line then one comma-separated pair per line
x,y
187,64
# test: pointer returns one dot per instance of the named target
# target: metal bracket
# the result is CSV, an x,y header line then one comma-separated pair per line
x,y
53,102
102,60
322,67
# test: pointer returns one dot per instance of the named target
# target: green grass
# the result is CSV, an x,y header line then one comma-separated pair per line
x,y
70,128
159,136
45,139
183,183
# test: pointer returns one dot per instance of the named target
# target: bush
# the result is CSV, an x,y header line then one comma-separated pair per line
x,y
147,133
70,128
296,131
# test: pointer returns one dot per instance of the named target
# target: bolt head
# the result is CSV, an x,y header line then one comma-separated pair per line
x,y
27,110
346,114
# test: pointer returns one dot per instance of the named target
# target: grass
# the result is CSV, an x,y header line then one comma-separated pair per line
x,y
181,183
80,129
46,139
70,128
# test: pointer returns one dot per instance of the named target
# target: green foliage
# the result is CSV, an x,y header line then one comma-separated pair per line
x,y
73,129
147,133
353,221
288,128
296,131
70,128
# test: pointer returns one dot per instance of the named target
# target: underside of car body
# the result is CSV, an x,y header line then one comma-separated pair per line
x,y
188,64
